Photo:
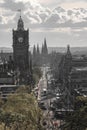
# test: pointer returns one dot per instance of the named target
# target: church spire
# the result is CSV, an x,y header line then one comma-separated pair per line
x,y
68,49
68,54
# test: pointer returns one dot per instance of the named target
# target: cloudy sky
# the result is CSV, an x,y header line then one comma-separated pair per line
x,y
62,22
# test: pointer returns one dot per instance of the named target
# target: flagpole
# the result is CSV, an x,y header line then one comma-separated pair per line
x,y
19,10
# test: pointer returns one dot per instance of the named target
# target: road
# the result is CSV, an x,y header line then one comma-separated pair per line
x,y
42,87
48,114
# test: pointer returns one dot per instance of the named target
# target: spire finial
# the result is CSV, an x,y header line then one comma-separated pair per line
x,y
20,25
68,53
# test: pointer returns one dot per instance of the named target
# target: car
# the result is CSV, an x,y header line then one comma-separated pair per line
x,y
57,97
43,94
44,90
42,105
52,108
58,115
57,94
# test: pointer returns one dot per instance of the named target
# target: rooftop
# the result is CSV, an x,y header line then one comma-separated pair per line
x,y
79,69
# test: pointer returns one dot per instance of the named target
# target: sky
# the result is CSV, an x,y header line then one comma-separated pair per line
x,y
62,22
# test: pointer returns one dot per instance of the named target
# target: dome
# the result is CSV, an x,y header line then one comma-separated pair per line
x,y
20,24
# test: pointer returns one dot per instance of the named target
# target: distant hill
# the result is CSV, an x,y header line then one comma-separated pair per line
x,y
5,49
74,50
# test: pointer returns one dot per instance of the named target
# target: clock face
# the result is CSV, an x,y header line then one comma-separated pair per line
x,y
20,39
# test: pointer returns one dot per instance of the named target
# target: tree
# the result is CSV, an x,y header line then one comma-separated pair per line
x,y
80,102
1,102
10,119
21,111
77,120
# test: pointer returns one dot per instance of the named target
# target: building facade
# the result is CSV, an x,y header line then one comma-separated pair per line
x,y
21,52
72,76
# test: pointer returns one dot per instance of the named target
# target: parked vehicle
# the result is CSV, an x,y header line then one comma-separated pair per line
x,y
59,115
42,105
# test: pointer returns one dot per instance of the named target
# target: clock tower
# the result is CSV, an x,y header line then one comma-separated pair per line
x,y
20,51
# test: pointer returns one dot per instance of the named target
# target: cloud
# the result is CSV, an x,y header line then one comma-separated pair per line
x,y
66,3
59,24
12,5
34,13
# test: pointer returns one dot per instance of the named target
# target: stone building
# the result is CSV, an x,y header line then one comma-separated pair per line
x,y
74,69
72,76
21,52
65,66
6,71
16,68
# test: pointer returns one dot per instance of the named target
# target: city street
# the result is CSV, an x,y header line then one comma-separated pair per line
x,y
52,123
43,65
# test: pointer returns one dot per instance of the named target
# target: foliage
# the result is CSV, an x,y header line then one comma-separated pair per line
x,y
80,102
1,102
21,112
78,119
24,89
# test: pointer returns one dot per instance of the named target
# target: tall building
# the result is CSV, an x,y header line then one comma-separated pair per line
x,y
65,66
72,77
67,63
21,51
44,48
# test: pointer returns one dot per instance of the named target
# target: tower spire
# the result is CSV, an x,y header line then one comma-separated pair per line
x,y
68,49
20,25
68,53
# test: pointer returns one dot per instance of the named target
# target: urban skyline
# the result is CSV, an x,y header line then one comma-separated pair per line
x,y
43,65
62,22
